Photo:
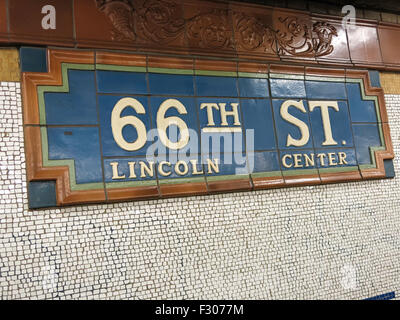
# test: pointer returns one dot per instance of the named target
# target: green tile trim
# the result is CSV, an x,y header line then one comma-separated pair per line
x,y
372,151
339,169
125,184
227,177
70,163
286,76
378,116
171,71
216,73
64,88
302,172
321,78
266,174
253,75
366,97
181,180
107,67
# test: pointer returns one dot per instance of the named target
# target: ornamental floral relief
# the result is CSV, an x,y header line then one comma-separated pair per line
x,y
252,34
210,30
161,22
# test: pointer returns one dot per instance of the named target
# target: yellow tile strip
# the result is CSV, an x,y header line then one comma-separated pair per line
x,y
390,82
9,65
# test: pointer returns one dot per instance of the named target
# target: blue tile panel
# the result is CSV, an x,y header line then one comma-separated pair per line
x,y
255,134
389,168
386,296
285,88
76,107
375,78
33,59
210,86
361,110
121,82
82,145
365,137
167,84
42,194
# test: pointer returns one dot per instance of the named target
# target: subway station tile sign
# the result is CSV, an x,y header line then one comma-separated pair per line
x,y
106,127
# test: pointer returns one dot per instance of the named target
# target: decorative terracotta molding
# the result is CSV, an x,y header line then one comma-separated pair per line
x,y
38,171
210,28
156,22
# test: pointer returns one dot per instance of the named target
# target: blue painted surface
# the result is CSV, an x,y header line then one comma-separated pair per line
x,y
375,78
296,157
124,169
257,116
365,136
283,88
231,141
121,82
82,145
42,194
266,161
326,90
340,126
195,166
78,106
169,84
83,121
230,164
253,88
332,155
110,147
173,132
360,110
389,168
207,86
284,128
33,59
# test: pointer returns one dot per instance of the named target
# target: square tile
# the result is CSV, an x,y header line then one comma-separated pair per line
x,y
264,163
253,87
337,127
215,134
326,90
365,137
130,144
360,110
287,88
121,82
210,86
257,116
76,107
82,144
130,172
172,84
287,131
181,108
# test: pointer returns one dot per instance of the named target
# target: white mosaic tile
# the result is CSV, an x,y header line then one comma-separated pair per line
x,y
323,242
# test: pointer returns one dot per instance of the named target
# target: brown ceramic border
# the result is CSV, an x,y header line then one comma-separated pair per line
x,y
36,172
102,24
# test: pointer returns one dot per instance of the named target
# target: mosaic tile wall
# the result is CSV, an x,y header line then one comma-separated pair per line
x,y
322,242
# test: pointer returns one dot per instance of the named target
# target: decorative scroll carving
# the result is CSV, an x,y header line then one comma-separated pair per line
x,y
153,21
292,38
120,13
296,39
252,34
211,30
156,21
